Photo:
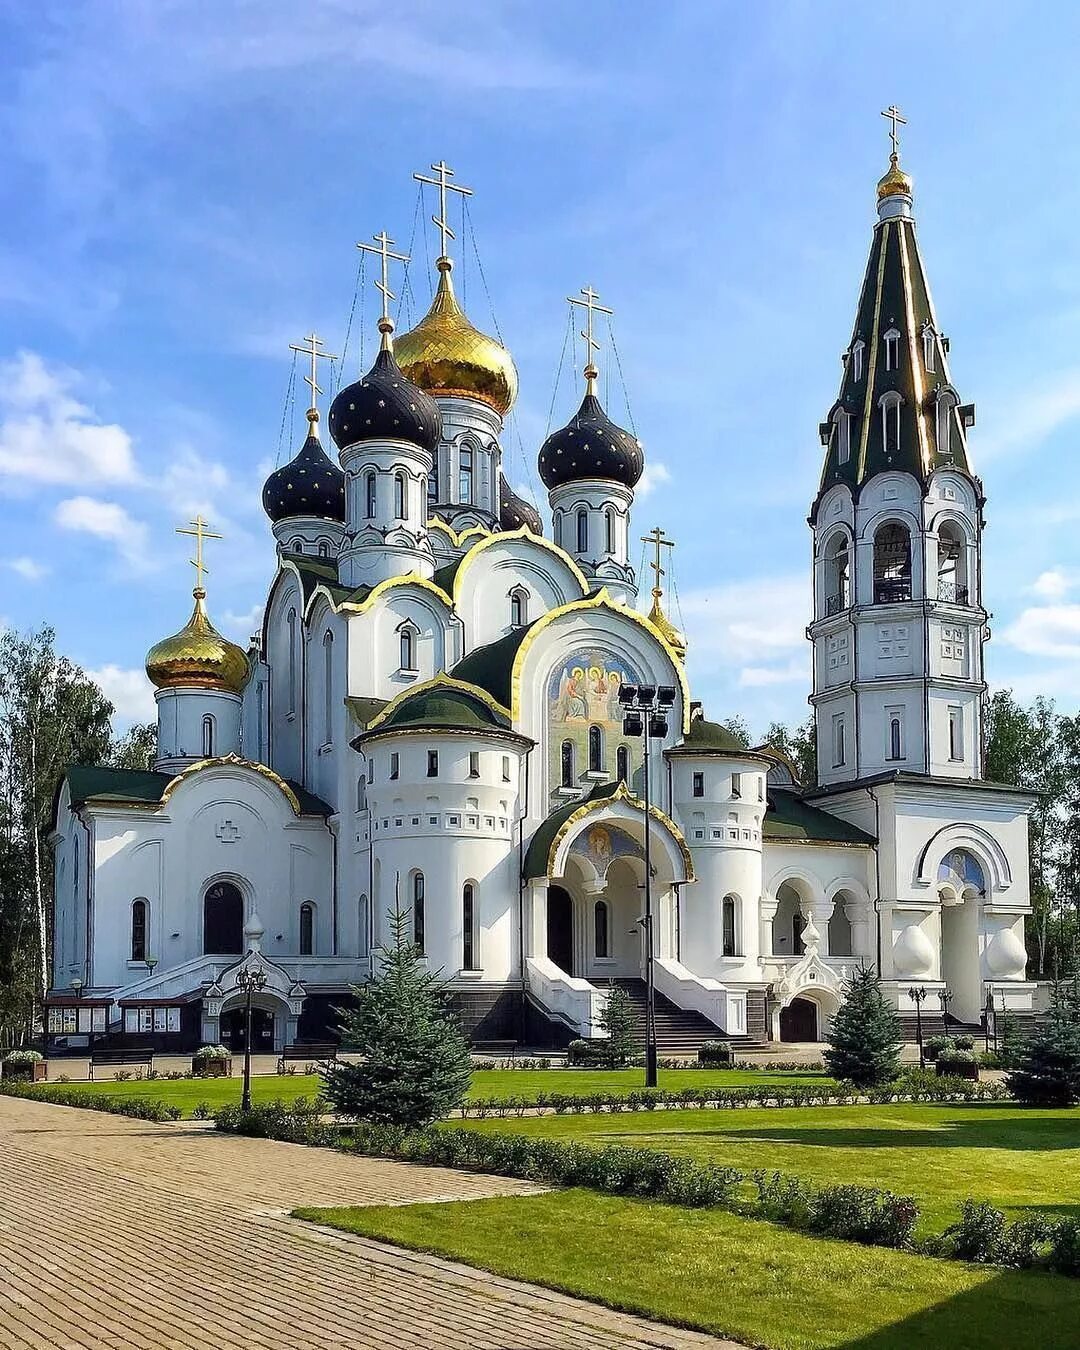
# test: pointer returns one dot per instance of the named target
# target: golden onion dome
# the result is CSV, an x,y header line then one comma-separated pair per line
x,y
671,635
895,183
197,656
445,354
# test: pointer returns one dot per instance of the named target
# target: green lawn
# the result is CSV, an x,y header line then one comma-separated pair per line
x,y
732,1276
187,1093
1015,1157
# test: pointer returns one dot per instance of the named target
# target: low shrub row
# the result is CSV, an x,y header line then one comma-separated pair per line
x,y
863,1214
914,1087
141,1108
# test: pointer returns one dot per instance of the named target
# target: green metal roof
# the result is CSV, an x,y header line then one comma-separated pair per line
x,y
316,572
491,668
100,782
440,706
536,855
712,738
791,819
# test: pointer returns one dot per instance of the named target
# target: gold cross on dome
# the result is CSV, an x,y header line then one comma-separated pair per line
x,y
892,112
591,306
312,350
442,182
199,530
659,541
383,241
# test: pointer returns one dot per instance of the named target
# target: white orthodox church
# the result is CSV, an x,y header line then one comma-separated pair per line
x,y
431,719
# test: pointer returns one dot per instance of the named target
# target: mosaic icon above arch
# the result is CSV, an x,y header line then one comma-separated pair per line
x,y
961,870
583,693
602,844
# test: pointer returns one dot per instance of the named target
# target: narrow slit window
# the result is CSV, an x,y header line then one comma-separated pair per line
x,y
369,496
567,763
583,531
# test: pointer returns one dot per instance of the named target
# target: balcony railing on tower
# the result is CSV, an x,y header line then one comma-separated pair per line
x,y
892,590
952,591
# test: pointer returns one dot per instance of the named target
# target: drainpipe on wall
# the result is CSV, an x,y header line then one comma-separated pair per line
x,y
522,813
88,965
877,870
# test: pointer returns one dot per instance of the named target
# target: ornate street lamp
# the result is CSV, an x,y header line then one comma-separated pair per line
x,y
645,709
251,981
918,997
946,998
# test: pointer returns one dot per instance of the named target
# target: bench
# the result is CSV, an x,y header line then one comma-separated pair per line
x,y
117,1058
505,1048
306,1052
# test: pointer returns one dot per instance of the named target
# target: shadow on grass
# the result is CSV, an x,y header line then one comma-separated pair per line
x,y
1019,1310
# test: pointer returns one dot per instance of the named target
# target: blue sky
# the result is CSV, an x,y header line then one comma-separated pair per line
x,y
183,184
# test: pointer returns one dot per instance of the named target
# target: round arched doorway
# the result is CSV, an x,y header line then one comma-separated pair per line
x,y
799,1021
223,920
560,928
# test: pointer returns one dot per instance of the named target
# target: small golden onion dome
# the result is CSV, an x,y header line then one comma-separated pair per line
x,y
675,640
197,656
445,354
896,183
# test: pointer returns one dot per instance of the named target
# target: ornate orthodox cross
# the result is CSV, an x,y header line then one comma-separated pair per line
x,y
383,242
442,182
659,541
591,306
892,112
199,530
312,351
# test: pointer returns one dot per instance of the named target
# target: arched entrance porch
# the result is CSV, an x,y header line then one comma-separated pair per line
x,y
807,1015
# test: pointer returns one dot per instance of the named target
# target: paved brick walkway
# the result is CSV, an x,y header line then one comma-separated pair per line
x,y
119,1235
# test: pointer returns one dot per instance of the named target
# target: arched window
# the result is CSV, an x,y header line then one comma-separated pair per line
x,y
596,750
609,529
418,911
890,421
307,929
297,546
363,921
928,347
369,495
892,564
328,687
842,422
208,736
567,763
600,929
944,417
465,474
730,918
140,914
622,764
469,943
361,793
896,738
223,920
583,531
519,607
839,928
291,626
400,491
858,352
952,564
892,349
324,549
407,646
837,574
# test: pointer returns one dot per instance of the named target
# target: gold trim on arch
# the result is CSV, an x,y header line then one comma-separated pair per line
x,y
437,523
232,761
523,533
602,600
439,681
621,794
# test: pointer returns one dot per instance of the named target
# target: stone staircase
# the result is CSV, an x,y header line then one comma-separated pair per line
x,y
679,1031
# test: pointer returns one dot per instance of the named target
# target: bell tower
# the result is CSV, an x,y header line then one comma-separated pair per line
x,y
898,623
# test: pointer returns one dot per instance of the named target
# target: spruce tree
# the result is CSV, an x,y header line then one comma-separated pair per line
x,y
618,1020
1046,1066
416,1066
864,1042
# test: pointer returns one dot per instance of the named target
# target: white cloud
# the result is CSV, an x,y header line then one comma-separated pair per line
x,y
48,436
754,627
241,626
796,671
1031,416
1046,630
1052,585
129,691
655,473
27,568
105,520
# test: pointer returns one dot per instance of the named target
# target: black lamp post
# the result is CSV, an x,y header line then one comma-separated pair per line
x,y
645,709
946,998
251,982
918,997
988,1018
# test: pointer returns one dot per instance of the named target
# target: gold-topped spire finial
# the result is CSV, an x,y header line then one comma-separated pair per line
x,y
442,182
659,541
312,350
591,306
383,240
895,182
199,530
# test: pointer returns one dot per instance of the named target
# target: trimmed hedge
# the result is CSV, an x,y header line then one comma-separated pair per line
x,y
141,1108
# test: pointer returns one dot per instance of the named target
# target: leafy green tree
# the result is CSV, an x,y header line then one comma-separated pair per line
x,y
864,1043
416,1066
618,1020
799,744
1046,1067
136,748
739,728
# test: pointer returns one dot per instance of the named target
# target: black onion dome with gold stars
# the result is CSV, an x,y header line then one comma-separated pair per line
x,y
385,406
311,484
515,511
590,446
